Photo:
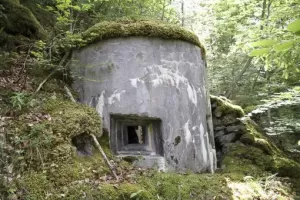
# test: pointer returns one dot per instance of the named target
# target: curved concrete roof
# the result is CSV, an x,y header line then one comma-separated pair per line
x,y
114,29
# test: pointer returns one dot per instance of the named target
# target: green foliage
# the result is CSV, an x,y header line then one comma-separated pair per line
x,y
294,26
276,48
277,100
41,163
235,29
18,100
21,101
263,43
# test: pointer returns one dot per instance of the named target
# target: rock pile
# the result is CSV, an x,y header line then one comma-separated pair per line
x,y
230,126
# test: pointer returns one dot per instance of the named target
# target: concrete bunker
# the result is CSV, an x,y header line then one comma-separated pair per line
x,y
147,81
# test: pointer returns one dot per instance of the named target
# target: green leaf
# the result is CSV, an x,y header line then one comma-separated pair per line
x,y
259,52
294,26
76,7
135,194
284,46
263,43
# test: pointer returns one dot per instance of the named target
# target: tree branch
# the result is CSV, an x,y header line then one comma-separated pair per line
x,y
96,141
62,61
239,77
69,94
105,158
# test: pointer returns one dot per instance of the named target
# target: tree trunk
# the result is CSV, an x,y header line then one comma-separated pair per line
x,y
182,14
238,78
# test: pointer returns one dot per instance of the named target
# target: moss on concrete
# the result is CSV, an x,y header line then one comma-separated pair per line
x,y
127,28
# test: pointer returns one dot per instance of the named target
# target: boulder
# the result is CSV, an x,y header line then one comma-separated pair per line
x,y
236,128
218,128
219,133
247,139
229,119
225,139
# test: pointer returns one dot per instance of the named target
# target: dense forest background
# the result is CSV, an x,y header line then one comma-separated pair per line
x,y
252,54
252,47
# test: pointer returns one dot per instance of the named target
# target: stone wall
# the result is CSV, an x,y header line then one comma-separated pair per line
x,y
231,126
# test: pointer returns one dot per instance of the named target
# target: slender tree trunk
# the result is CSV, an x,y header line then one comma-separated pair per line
x,y
182,13
255,81
61,64
119,10
231,91
269,95
263,13
163,10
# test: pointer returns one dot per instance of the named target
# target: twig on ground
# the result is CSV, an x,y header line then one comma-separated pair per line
x,y
105,158
69,94
95,140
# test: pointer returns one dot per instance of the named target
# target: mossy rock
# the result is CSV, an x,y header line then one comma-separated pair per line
x,y
19,20
127,28
72,119
245,160
286,167
46,131
247,139
261,141
45,17
264,145
251,161
224,106
8,41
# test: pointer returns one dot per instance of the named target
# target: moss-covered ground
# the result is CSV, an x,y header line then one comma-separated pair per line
x,y
43,164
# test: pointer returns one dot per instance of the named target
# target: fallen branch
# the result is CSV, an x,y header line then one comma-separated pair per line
x,y
95,140
105,158
69,94
62,61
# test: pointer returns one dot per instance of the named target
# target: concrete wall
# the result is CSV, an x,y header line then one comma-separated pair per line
x,y
156,78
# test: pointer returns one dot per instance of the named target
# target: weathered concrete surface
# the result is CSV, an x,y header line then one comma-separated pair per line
x,y
155,78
